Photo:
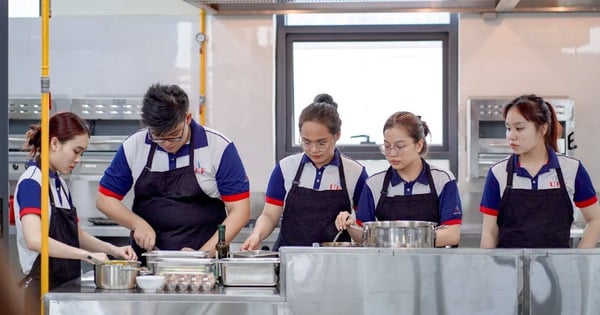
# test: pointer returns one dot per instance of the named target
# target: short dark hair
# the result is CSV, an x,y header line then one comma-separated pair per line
x,y
322,110
164,106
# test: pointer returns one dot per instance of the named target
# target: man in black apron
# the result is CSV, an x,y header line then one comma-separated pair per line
x,y
173,203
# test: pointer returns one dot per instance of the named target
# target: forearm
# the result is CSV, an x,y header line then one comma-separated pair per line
x,y
58,249
117,211
590,235
447,236
489,232
237,218
93,244
356,233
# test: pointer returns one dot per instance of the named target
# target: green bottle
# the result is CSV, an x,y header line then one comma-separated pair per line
x,y
222,248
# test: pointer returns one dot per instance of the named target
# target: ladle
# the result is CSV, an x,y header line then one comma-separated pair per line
x,y
337,235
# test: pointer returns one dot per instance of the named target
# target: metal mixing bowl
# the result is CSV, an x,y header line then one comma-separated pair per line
x,y
116,274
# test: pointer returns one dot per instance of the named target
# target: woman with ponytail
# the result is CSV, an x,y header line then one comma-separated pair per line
x,y
528,197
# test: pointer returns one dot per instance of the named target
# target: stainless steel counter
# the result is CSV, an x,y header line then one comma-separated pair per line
x,y
378,281
82,297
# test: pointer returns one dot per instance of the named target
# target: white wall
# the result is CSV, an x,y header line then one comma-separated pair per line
x,y
547,54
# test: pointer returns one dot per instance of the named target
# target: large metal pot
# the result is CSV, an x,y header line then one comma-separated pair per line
x,y
399,234
116,274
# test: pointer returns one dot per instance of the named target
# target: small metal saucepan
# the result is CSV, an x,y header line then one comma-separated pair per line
x,y
116,274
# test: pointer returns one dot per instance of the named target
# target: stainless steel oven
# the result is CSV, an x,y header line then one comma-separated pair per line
x,y
486,132
111,120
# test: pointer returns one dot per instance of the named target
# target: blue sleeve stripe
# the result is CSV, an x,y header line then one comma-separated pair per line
x,y
231,176
117,177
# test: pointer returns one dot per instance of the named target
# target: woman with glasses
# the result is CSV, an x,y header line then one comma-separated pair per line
x,y
528,197
186,179
308,190
411,188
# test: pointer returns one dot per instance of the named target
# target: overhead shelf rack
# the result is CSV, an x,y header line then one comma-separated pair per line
x,y
268,7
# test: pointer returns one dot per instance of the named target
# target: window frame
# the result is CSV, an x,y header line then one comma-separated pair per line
x,y
286,35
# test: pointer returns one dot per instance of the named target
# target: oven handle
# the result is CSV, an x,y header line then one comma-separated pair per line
x,y
16,139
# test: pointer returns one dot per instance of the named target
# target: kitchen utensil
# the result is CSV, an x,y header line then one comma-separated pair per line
x,y
339,244
101,221
116,274
337,236
181,265
250,271
176,253
150,283
399,234
255,254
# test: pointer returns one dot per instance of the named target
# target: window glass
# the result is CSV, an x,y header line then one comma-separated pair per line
x,y
23,8
367,18
393,62
370,80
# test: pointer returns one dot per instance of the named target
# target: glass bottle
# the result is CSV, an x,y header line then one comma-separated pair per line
x,y
222,248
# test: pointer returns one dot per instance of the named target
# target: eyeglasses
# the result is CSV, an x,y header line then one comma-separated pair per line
x,y
171,140
320,146
387,149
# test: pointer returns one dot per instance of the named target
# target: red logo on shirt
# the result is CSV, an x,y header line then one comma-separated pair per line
x,y
335,187
554,184
199,170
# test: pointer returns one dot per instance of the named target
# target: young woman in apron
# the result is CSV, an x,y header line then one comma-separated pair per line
x,y
528,198
410,189
306,191
68,244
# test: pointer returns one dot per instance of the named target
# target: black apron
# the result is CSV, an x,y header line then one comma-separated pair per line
x,y
173,203
309,215
63,228
418,207
534,218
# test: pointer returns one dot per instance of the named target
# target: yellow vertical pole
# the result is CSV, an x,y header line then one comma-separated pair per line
x,y
202,69
45,89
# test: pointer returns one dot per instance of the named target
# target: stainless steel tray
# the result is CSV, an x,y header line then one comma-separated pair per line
x,y
177,253
255,254
162,265
250,271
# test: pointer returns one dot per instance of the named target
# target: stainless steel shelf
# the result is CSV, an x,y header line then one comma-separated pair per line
x,y
244,7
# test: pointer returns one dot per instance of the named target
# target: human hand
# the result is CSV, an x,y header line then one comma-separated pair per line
x,y
96,258
251,242
144,235
344,220
125,252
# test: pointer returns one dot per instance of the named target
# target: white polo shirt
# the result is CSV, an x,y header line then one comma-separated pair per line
x,y
28,201
578,182
324,178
